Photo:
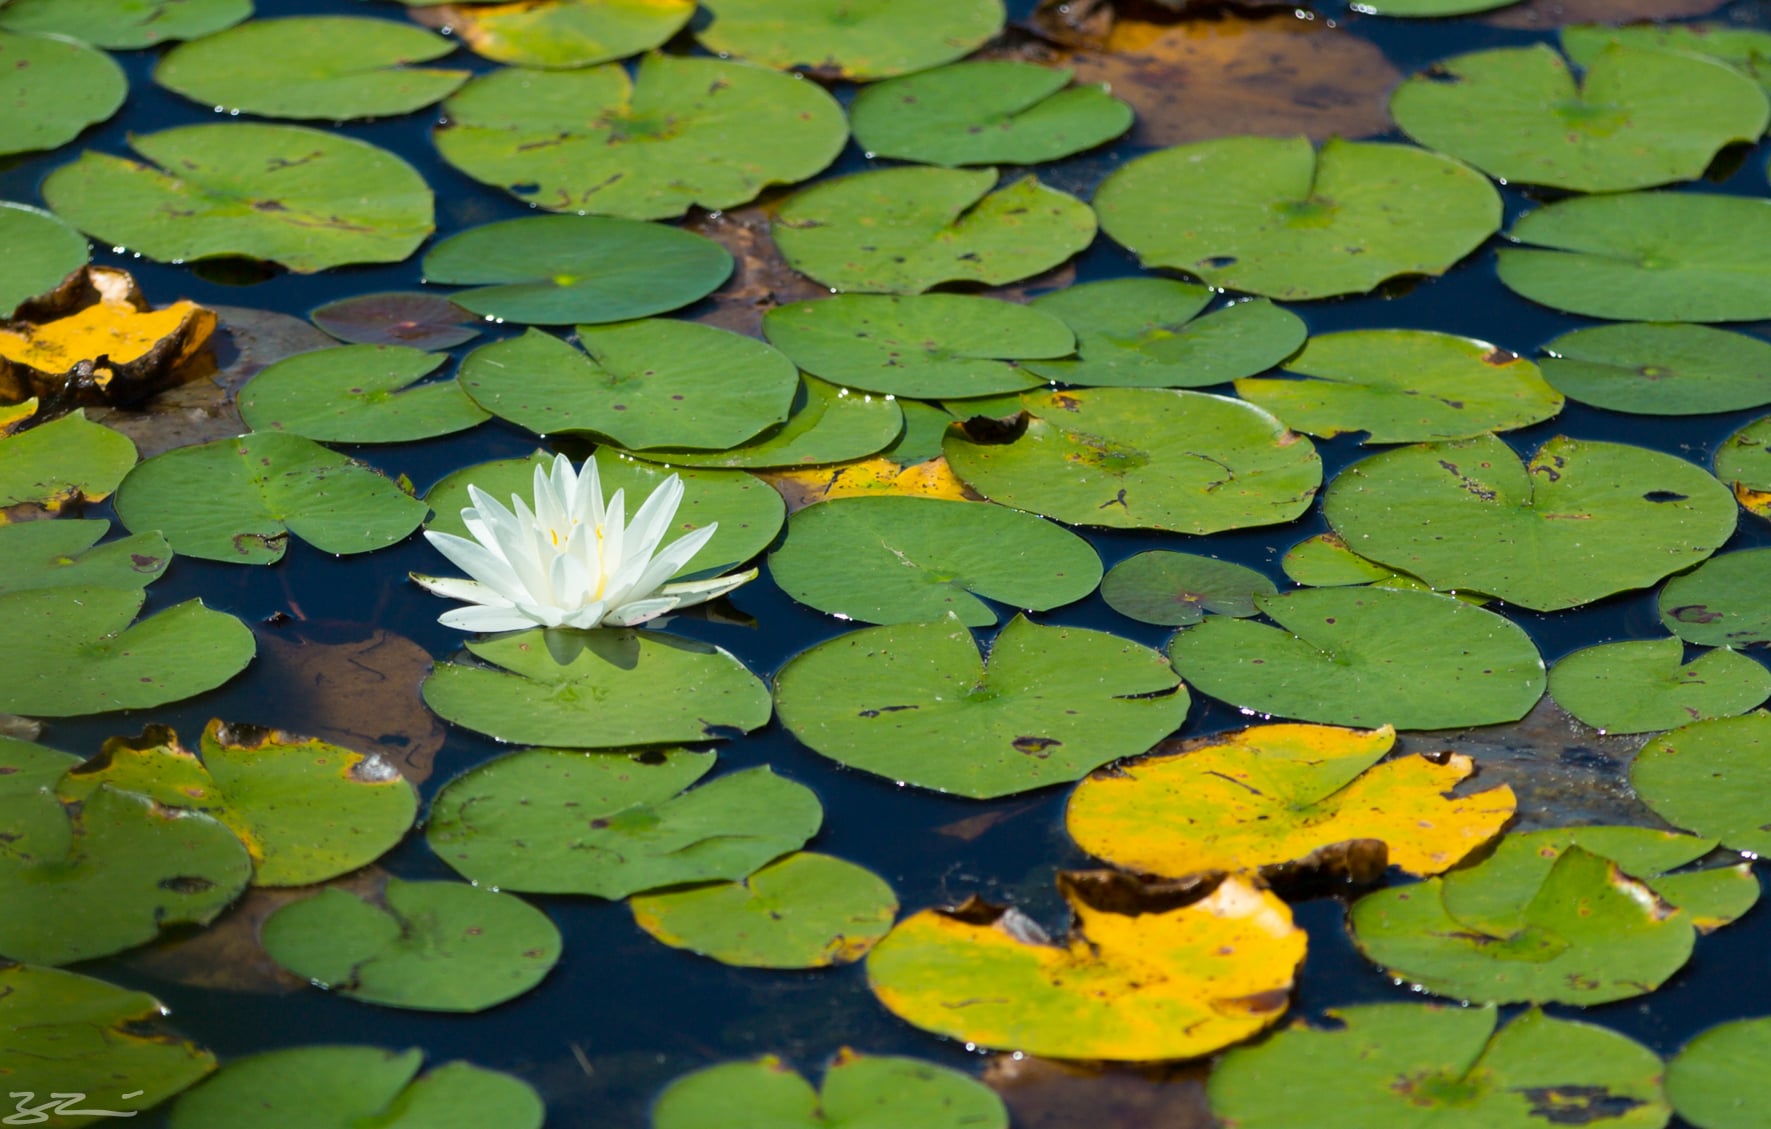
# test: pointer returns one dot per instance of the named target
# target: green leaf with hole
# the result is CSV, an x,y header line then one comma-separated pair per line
x,y
843,39
71,651
748,510
904,230
995,112
1640,686
1637,118
597,689
1425,1066
1660,368
1581,521
61,1032
53,87
687,132
826,424
433,946
1141,458
1404,386
1584,932
859,1090
358,394
1724,602
63,462
893,559
803,911
919,703
122,25
565,33
551,821
305,198
929,346
110,875
1271,216
1645,256
1366,656
1717,1080
327,67
560,270
1178,589
643,384
239,500
1712,777
57,554
1147,333
41,250
345,1087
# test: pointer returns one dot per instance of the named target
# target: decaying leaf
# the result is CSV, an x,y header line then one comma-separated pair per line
x,y
1043,1094
868,477
1276,797
761,278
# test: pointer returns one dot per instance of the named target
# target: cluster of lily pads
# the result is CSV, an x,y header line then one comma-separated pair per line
x,y
912,460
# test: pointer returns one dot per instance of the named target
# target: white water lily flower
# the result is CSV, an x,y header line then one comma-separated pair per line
x,y
572,562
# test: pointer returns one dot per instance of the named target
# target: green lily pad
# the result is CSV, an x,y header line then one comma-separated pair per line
x,y
1324,561
549,821
238,500
904,230
1583,520
918,703
53,88
605,690
358,394
858,1090
1271,216
843,39
1423,1066
566,33
61,1032
1366,656
748,510
307,810
1147,333
121,25
1646,256
926,345
1717,1080
434,946
560,270
41,250
1178,589
687,132
343,1087
329,67
66,460
654,383
1142,458
924,425
419,321
1662,369
996,112
1639,686
1638,118
1712,777
802,911
827,424
1745,49
1404,386
907,559
285,193
1725,602
57,554
110,875
26,768
73,651
1585,933
1418,9
1744,460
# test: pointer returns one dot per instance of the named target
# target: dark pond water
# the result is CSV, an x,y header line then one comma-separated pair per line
x,y
623,1014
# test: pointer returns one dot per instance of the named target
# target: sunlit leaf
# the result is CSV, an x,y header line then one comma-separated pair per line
x,y
1661,369
56,554
1744,48
826,425
1176,589
124,24
565,33
1639,686
1713,778
63,462
1717,1080
858,1090
358,394
41,250
53,87
837,38
1724,602
871,477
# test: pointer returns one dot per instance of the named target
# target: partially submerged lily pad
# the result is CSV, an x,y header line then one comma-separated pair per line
x,y
1640,686
826,425
53,87
857,1089
57,554
1661,368
358,394
918,703
1724,602
41,250
838,39
122,25
418,321
551,821
1177,589
1712,777
907,559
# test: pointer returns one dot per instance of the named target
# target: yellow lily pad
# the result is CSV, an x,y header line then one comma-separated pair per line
x,y
1149,971
933,478
1272,796
113,350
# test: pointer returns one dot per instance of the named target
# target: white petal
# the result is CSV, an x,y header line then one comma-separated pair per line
x,y
551,512
700,591
480,563
674,556
467,591
629,615
485,619
612,553
588,616
653,519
